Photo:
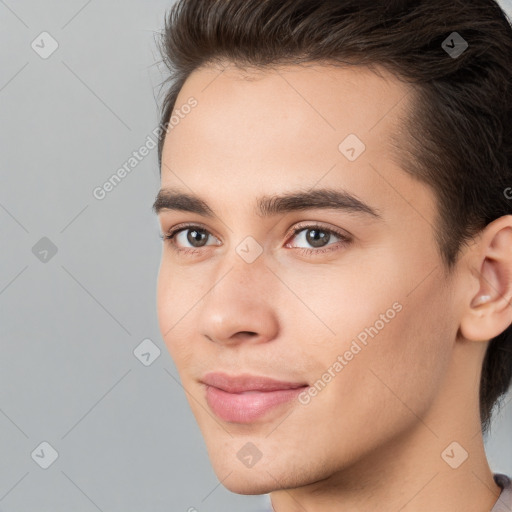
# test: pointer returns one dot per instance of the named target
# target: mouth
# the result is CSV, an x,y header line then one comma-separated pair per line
x,y
246,398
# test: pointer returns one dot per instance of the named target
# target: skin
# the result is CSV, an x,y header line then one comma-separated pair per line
x,y
373,438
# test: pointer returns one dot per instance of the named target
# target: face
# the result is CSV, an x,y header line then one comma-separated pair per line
x,y
341,299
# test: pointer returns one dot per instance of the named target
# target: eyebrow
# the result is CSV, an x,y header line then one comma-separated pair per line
x,y
270,205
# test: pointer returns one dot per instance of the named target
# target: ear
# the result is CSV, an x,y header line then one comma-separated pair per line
x,y
489,310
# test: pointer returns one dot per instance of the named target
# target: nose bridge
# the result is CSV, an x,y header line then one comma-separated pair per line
x,y
244,268
240,299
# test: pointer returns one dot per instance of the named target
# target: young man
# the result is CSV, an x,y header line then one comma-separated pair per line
x,y
336,277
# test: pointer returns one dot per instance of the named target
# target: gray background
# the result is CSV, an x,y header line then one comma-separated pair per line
x,y
70,321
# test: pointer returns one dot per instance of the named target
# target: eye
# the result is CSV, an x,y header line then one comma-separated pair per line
x,y
318,238
193,234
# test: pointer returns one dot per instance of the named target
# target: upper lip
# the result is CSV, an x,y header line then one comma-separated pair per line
x,y
246,382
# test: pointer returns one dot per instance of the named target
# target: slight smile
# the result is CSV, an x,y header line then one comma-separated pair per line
x,y
245,398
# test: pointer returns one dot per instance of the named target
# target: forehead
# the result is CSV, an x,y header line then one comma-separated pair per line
x,y
326,97
262,130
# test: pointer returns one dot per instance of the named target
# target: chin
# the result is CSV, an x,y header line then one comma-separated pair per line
x,y
249,482
265,477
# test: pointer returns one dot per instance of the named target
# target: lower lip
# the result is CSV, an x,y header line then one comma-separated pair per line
x,y
247,407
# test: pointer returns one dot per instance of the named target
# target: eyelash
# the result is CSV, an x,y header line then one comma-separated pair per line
x,y
344,239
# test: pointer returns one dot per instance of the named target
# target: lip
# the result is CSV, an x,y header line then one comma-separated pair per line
x,y
245,398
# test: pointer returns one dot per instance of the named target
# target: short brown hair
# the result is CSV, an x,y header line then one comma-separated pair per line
x,y
459,135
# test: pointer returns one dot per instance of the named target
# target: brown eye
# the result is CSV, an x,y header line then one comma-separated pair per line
x,y
316,237
188,238
196,236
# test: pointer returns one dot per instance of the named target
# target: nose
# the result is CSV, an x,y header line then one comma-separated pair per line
x,y
241,305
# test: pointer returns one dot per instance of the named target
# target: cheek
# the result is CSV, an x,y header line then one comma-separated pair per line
x,y
396,374
394,340
173,306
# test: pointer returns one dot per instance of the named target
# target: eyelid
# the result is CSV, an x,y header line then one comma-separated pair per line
x,y
341,233
171,233
189,225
